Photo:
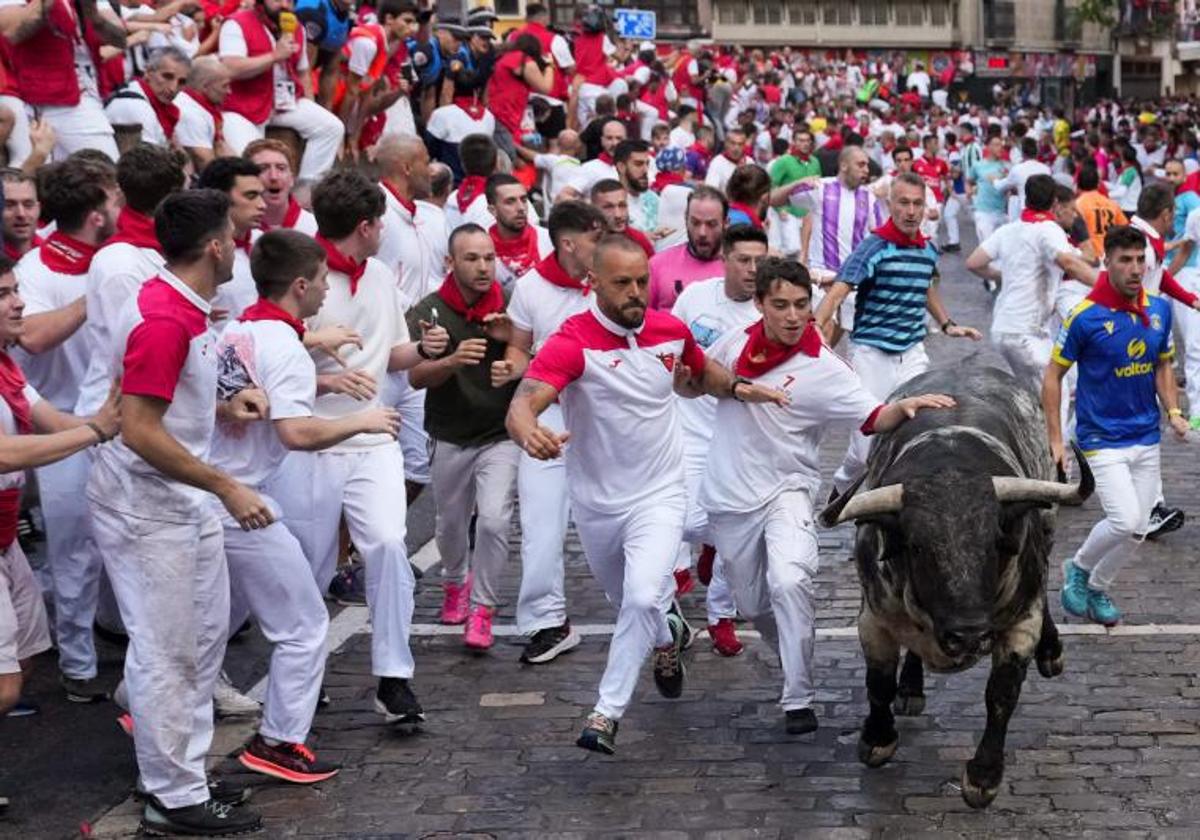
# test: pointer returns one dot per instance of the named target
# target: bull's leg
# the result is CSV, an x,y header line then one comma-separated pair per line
x,y
879,739
1010,659
910,693
1049,652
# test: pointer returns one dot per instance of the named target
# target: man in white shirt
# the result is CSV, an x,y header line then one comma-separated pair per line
x,y
602,167
468,203
149,101
731,157
1018,175
82,198
764,468
519,244
239,179
198,131
632,161
361,478
712,309
561,170
614,368
277,171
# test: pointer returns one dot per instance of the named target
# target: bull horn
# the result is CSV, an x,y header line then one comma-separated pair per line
x,y
1011,489
829,516
885,499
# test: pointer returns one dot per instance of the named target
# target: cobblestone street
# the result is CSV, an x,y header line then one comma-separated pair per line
x,y
1109,749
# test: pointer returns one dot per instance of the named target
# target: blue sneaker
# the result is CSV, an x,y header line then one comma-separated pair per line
x,y
1101,609
1075,589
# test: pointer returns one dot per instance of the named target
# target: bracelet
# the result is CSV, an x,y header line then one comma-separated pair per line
x,y
99,434
949,322
1175,412
738,380
421,351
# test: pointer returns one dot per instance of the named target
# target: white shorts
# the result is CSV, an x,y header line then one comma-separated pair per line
x,y
24,630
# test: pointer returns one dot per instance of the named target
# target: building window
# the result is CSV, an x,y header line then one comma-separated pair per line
x,y
910,12
802,13
732,12
509,8
768,12
839,14
873,13
937,13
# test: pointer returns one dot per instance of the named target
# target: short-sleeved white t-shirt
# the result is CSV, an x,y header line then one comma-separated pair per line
x,y
1026,252
540,307
57,373
196,128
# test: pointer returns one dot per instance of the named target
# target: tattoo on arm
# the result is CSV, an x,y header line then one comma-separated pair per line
x,y
527,388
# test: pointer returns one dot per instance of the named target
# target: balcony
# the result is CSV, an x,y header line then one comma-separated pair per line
x,y
866,24
1156,19
999,22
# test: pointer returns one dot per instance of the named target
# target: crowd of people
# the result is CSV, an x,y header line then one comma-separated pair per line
x,y
270,272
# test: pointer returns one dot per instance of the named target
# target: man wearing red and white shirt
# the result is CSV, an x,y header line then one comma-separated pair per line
x,y
935,172
272,85
764,468
545,297
161,542
362,477
200,128
149,101
520,244
614,368
277,170
82,199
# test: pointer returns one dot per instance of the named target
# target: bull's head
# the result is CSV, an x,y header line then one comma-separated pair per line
x,y
943,535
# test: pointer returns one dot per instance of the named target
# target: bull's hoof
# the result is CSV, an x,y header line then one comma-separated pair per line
x,y
909,705
1051,666
877,756
976,796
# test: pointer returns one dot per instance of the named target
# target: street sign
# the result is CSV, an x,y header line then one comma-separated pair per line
x,y
636,24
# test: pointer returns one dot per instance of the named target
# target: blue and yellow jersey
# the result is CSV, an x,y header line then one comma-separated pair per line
x,y
1116,404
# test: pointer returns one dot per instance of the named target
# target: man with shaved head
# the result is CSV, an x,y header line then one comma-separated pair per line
x,y
199,128
614,367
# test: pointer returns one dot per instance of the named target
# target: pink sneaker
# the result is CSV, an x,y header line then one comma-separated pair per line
x,y
456,601
478,634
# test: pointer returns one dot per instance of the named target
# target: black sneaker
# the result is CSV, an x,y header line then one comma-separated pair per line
x,y
397,703
1163,520
689,635
668,663
548,643
599,734
349,585
294,763
208,819
220,790
800,721
82,691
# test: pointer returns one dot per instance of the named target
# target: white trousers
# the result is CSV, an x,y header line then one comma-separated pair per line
x,y
986,223
718,599
315,489
950,213
772,564
1188,321
632,555
400,118
880,373
322,133
19,145
75,563
545,511
1026,355
270,579
480,480
83,126
1127,483
589,93
414,440
172,585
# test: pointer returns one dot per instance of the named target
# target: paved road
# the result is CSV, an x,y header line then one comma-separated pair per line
x,y
1107,750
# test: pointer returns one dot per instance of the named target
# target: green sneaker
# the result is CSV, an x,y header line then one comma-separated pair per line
x,y
1101,609
599,734
1075,589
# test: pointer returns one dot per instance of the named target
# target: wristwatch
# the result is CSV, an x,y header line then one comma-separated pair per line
x,y
949,322
738,380
421,351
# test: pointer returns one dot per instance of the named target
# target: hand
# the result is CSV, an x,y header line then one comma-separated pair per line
x,y
498,326
248,405
469,352
752,392
384,421
330,340
434,339
1059,455
958,331
108,418
911,405
353,383
503,372
545,444
1179,425
285,47
41,137
661,233
246,506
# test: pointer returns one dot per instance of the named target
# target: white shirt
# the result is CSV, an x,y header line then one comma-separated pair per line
x,y
1152,279
406,248
539,307
592,173
56,373
681,138
1025,252
376,312
12,481
1016,178
132,108
196,128
267,355
709,314
920,81
240,291
451,124
719,171
759,451
842,218
561,171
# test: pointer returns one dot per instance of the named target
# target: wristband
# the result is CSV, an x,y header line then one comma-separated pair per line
x,y
738,380
96,429
949,322
1175,412
421,351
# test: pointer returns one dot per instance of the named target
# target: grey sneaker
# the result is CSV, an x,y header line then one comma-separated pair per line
x,y
599,734
82,691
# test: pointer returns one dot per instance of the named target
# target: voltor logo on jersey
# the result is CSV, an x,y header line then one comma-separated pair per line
x,y
1136,348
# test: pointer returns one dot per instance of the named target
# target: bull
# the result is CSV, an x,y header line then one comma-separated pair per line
x,y
955,519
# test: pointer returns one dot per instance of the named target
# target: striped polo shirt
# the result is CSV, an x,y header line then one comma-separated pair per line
x,y
892,284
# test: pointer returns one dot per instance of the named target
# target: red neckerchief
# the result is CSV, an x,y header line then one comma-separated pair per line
x,y
136,229
490,301
749,211
700,149
211,109
242,243
641,239
1104,294
552,270
807,158
520,253
893,234
338,261
12,391
13,254
66,254
761,354
407,204
472,106
470,189
166,112
605,157
264,310
1028,215
662,180
290,216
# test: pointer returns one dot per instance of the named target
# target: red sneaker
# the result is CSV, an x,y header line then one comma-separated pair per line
x,y
683,582
456,601
724,637
704,566
478,634
125,721
294,763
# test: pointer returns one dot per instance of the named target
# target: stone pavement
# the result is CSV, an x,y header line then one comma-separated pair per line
x,y
1109,749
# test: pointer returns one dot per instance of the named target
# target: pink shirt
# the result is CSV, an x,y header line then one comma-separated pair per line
x,y
673,270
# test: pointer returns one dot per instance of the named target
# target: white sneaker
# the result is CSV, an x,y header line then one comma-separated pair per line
x,y
230,702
